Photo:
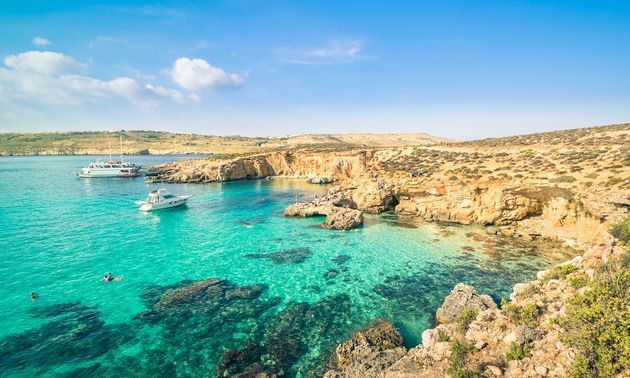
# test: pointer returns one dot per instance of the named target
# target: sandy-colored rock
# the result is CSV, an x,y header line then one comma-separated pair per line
x,y
462,297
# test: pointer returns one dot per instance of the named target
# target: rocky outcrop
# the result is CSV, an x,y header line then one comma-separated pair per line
x,y
462,297
368,352
527,323
319,180
478,204
337,218
327,166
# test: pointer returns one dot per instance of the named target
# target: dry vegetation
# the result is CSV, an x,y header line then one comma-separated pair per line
x,y
596,156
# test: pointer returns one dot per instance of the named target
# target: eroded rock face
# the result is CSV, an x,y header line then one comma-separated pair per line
x,y
461,298
325,166
368,352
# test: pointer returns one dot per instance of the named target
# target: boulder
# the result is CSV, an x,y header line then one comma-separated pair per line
x,y
367,352
461,298
320,180
337,218
343,219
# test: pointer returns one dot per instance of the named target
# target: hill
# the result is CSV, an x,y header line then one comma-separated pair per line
x,y
158,142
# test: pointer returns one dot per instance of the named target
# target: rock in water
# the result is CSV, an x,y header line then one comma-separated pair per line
x,y
319,180
343,219
461,298
367,352
337,218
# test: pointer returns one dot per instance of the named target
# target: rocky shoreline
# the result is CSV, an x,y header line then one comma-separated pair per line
x,y
473,336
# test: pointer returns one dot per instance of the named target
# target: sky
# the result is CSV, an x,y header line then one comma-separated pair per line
x,y
458,69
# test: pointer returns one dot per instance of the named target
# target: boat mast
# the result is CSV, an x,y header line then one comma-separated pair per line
x,y
110,150
121,150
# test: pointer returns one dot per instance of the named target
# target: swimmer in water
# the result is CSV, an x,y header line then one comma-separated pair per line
x,y
34,295
108,277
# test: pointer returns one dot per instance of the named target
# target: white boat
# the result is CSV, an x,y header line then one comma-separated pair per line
x,y
161,199
110,168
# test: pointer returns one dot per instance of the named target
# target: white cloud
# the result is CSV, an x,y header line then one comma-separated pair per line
x,y
197,74
41,41
54,78
43,62
338,51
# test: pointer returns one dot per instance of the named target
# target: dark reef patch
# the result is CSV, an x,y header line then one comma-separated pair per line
x,y
74,334
341,259
281,344
287,256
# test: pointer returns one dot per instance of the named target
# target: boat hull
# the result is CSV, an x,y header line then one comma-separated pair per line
x,y
144,206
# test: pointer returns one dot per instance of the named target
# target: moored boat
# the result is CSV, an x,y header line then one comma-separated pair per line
x,y
161,199
110,168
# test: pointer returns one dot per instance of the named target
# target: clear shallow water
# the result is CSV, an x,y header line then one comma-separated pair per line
x,y
59,235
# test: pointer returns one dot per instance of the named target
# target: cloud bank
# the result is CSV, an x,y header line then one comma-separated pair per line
x,y
54,78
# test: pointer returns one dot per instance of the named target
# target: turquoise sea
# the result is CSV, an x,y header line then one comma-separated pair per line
x,y
291,290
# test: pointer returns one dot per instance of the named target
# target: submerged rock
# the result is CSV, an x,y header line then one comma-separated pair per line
x,y
280,344
461,298
287,256
367,352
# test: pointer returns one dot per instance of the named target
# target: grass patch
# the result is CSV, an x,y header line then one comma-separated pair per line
x,y
520,315
465,318
621,231
459,358
517,352
578,280
597,323
443,336
562,179
558,272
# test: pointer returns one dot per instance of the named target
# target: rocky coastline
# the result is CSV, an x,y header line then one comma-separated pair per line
x,y
473,336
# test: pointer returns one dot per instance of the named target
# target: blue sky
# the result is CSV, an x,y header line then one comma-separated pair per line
x,y
460,69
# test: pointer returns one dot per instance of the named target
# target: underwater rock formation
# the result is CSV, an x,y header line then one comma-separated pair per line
x,y
287,256
279,344
74,332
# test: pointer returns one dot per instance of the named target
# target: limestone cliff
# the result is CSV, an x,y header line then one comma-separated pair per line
x,y
300,164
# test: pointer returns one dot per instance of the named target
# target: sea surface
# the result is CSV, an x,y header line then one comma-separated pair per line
x,y
290,290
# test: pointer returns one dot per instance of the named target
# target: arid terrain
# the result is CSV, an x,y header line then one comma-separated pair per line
x,y
572,186
158,142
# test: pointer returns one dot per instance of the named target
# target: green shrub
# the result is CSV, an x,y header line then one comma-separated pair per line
x,y
459,358
621,230
517,352
597,324
465,318
520,315
578,280
443,336
558,272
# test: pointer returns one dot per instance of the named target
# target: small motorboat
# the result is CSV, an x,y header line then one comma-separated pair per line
x,y
161,199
